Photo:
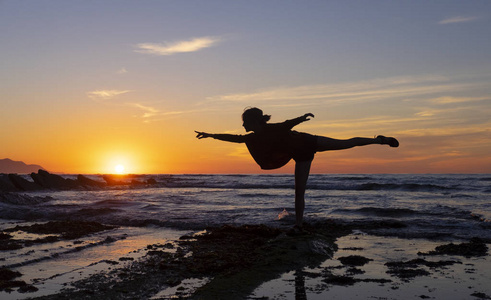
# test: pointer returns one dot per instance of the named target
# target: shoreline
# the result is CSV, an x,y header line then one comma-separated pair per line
x,y
245,262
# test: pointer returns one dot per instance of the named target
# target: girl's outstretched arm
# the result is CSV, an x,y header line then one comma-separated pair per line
x,y
294,122
234,138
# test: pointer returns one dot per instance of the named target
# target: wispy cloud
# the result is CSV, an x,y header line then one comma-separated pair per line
x,y
447,100
122,71
106,94
153,114
166,48
426,113
458,19
435,111
148,110
356,91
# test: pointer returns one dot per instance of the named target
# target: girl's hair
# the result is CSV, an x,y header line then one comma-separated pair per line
x,y
255,114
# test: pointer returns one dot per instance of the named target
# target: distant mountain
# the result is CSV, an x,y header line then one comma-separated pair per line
x,y
10,166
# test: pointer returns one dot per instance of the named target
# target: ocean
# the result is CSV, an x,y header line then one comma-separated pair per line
x,y
427,206
433,209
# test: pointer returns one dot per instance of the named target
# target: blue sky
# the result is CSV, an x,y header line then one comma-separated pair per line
x,y
419,70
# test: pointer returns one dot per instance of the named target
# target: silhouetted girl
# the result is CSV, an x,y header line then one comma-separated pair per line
x,y
274,145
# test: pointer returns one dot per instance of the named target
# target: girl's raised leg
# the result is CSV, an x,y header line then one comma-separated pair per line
x,y
326,143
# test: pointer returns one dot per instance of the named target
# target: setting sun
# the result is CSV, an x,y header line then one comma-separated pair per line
x,y
118,162
119,169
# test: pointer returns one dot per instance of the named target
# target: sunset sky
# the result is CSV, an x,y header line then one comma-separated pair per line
x,y
88,85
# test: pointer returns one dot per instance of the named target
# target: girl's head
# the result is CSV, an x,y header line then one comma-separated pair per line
x,y
253,118
255,114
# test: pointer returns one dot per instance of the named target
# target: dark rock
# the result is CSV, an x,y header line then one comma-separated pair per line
x,y
7,282
480,295
354,271
409,269
7,274
67,229
354,260
48,239
421,262
9,244
6,185
408,273
23,184
339,280
8,285
110,180
151,181
476,247
85,181
39,180
27,289
110,262
52,181
46,180
353,248
126,259
22,199
4,236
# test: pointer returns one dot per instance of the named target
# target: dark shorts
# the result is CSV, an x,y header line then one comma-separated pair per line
x,y
304,146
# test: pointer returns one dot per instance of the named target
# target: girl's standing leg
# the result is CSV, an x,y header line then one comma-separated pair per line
x,y
302,170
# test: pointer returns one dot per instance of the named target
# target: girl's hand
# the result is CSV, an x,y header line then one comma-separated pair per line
x,y
202,135
307,115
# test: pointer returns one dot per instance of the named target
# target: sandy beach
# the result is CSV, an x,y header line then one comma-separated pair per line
x,y
328,261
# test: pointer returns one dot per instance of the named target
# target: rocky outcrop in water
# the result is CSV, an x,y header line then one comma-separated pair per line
x,y
85,181
5,184
23,184
52,181
43,180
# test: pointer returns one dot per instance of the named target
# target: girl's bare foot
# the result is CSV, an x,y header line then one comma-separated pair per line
x,y
388,141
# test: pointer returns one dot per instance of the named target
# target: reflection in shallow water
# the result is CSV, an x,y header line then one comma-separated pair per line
x,y
467,277
300,293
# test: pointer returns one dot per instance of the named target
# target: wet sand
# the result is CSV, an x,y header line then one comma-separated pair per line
x,y
329,261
